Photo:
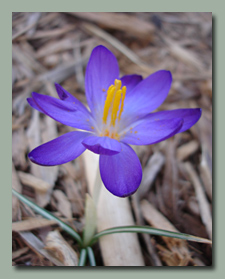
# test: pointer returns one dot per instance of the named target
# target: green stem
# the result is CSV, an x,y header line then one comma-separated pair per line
x,y
97,186
91,256
83,257
91,211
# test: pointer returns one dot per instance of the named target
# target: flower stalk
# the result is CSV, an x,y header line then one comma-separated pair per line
x,y
97,187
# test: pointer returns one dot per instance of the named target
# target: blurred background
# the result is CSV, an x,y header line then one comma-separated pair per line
x,y
176,189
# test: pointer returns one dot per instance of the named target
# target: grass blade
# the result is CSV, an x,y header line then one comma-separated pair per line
x,y
91,256
48,215
83,257
149,230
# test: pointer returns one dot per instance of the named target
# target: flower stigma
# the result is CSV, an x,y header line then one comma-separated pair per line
x,y
113,109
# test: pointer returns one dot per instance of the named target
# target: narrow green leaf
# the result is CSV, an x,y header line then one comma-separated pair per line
x,y
149,230
48,216
83,257
91,256
90,220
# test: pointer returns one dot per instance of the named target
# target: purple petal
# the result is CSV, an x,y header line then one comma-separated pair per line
x,y
32,103
66,96
148,95
64,112
130,81
150,131
101,72
60,150
190,116
121,173
102,145
63,94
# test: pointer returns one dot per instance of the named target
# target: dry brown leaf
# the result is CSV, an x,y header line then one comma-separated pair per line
x,y
24,29
34,182
193,206
150,172
198,262
74,196
121,21
63,71
206,176
19,148
169,189
79,69
150,245
186,56
18,122
63,203
25,58
117,44
18,253
49,175
31,224
178,253
202,200
52,33
69,170
56,245
16,213
186,150
56,46
36,245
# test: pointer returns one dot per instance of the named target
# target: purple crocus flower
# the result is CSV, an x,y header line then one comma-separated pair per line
x,y
119,116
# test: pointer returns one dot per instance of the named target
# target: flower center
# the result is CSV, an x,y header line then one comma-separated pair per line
x,y
113,108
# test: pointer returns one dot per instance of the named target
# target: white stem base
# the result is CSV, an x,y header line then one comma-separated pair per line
x,y
117,249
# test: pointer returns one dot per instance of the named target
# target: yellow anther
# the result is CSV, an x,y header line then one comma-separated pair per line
x,y
117,84
108,101
122,101
115,108
113,102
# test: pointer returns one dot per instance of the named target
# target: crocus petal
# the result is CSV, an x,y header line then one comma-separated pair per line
x,y
60,150
190,116
32,103
64,112
66,96
63,94
152,131
148,95
121,173
102,145
101,72
130,81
